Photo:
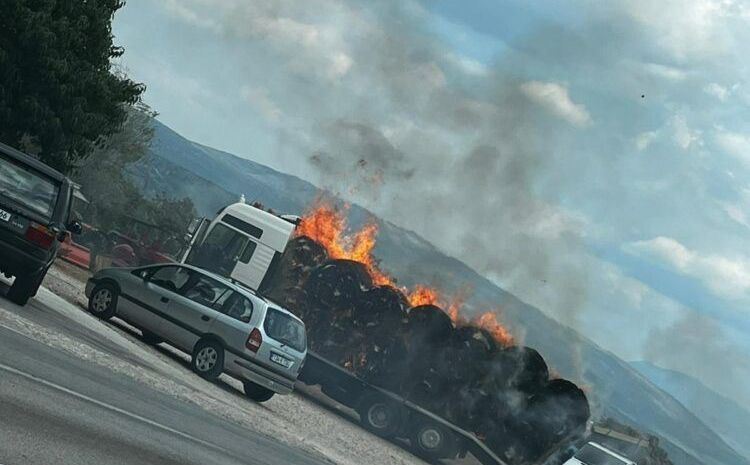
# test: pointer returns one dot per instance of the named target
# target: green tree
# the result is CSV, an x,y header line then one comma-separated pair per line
x,y
58,94
118,203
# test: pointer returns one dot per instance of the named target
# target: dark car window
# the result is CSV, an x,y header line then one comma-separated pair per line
x,y
239,308
285,329
172,278
223,302
204,290
27,187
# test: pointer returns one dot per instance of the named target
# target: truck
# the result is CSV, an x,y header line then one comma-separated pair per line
x,y
245,244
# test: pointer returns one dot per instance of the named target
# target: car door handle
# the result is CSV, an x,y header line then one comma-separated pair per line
x,y
205,318
165,299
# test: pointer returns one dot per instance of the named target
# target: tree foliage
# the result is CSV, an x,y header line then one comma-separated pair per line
x,y
58,94
117,202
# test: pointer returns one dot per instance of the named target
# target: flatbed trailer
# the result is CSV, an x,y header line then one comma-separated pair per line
x,y
391,416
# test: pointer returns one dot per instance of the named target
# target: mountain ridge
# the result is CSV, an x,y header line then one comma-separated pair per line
x,y
213,178
725,416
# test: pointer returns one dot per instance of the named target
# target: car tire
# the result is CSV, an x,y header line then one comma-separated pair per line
x,y
256,392
208,359
25,287
432,441
150,338
103,301
379,416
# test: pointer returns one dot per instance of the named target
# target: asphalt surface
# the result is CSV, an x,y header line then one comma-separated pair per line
x,y
57,408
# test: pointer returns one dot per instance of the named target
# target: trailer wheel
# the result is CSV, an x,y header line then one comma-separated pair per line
x,y
433,441
379,415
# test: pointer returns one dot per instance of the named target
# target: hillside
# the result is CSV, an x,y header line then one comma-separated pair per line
x,y
213,178
725,416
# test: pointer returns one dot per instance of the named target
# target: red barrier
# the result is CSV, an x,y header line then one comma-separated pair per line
x,y
76,254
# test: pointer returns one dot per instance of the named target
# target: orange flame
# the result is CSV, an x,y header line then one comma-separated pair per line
x,y
500,333
327,225
423,295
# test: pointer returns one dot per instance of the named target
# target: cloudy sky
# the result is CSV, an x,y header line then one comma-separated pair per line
x,y
592,158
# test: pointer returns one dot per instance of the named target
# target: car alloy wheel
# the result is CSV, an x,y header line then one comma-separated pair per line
x,y
206,359
101,301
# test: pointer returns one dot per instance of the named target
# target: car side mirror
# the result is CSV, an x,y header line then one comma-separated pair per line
x,y
59,231
75,227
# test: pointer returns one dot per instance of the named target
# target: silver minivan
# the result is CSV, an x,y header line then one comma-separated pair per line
x,y
226,327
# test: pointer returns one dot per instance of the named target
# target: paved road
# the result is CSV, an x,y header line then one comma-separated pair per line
x,y
56,408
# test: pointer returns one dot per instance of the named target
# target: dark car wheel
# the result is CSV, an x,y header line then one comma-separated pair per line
x,y
25,287
103,301
256,392
208,359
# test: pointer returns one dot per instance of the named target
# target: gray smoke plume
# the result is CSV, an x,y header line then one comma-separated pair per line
x,y
705,352
433,142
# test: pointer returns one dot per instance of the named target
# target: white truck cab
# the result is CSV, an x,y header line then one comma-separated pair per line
x,y
241,243
595,454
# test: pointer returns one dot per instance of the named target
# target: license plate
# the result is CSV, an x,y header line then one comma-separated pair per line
x,y
285,362
4,216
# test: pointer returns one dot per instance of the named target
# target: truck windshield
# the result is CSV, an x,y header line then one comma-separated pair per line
x,y
220,251
27,187
285,329
592,455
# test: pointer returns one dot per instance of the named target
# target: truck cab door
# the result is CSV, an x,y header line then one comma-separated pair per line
x,y
253,264
195,235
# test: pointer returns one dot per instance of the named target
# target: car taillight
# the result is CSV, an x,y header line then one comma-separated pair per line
x,y
40,235
254,340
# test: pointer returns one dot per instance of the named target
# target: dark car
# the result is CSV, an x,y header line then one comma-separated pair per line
x,y
35,205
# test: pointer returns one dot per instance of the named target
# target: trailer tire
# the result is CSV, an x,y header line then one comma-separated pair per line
x,y
379,415
433,441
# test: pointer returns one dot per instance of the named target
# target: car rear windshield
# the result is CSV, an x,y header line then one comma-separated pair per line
x,y
285,329
592,455
27,187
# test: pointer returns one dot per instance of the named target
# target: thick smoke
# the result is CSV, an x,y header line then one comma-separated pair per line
x,y
705,352
382,115
428,140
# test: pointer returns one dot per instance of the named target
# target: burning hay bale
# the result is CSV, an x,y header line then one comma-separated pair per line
x,y
286,283
466,371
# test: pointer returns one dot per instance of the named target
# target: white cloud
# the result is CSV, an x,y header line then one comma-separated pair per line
x,y
683,135
341,63
260,100
737,214
554,97
644,139
310,42
735,144
687,28
667,72
727,276
191,16
720,92
468,65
